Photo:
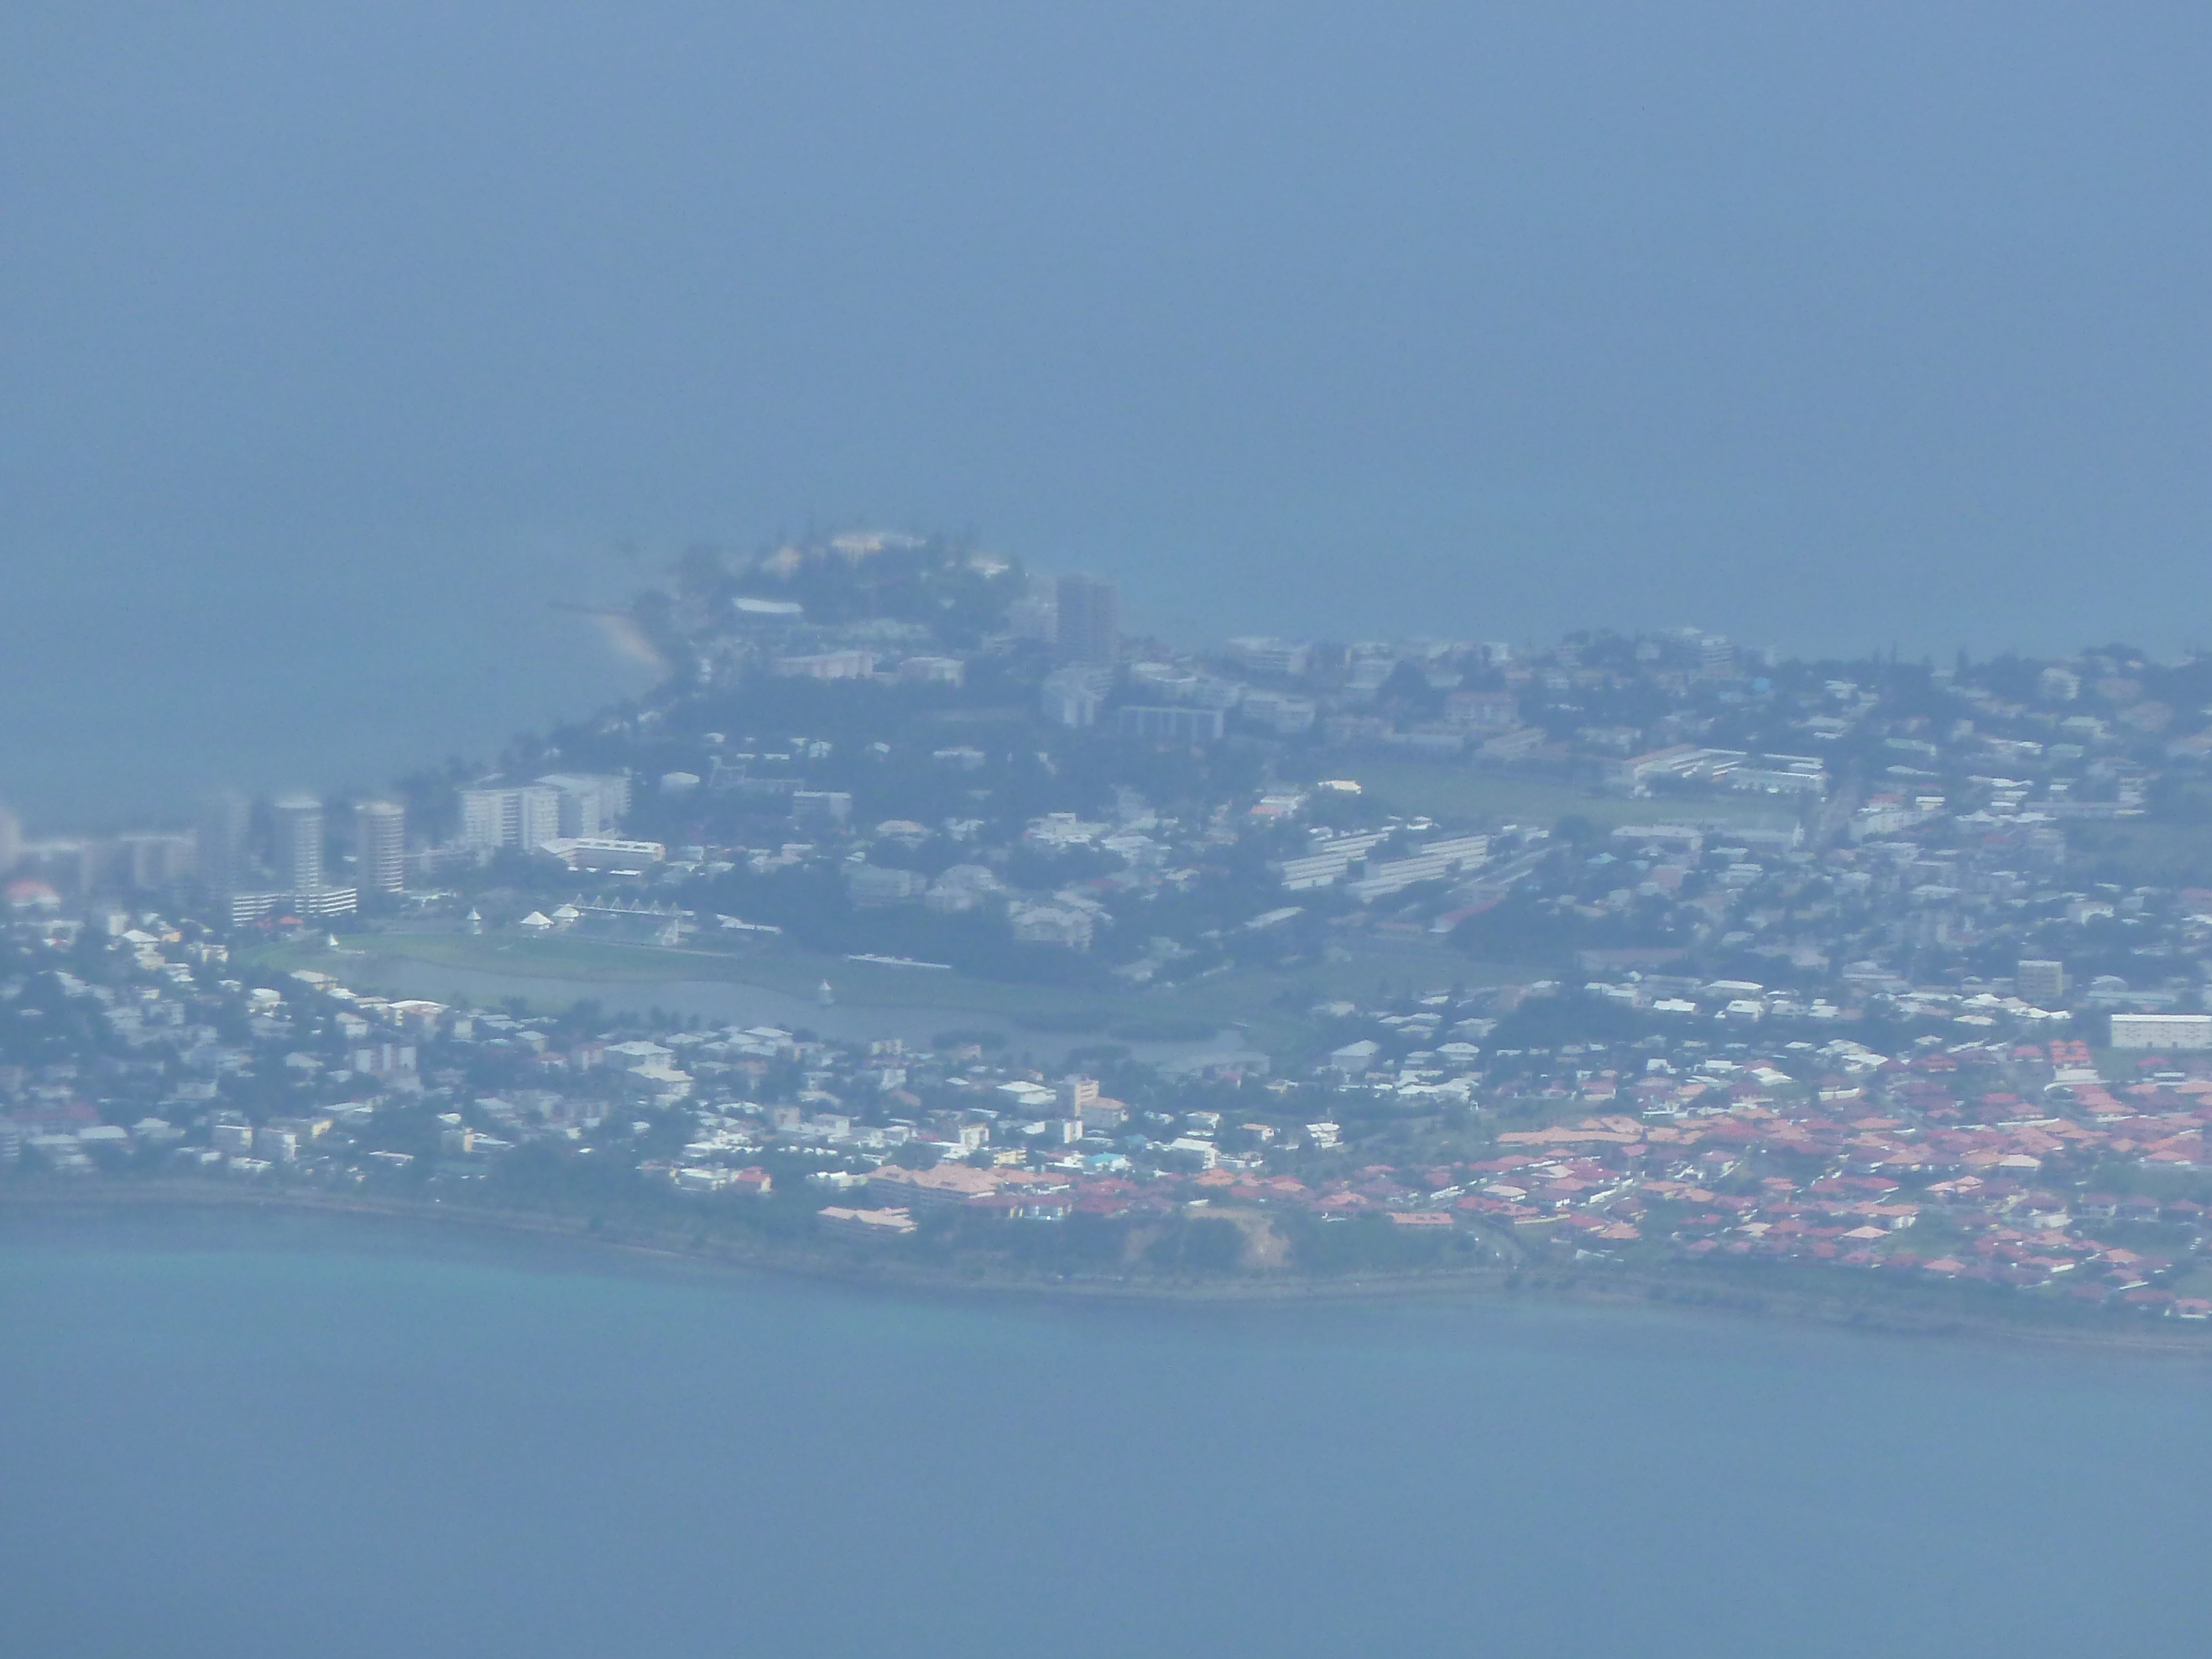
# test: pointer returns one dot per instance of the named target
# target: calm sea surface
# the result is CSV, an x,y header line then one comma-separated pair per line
x,y
287,1436
335,342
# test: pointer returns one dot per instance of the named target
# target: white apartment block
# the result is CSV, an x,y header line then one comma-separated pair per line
x,y
526,815
2162,1031
1270,656
592,803
1329,861
562,804
1437,861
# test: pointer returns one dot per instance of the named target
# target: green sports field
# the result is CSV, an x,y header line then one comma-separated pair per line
x,y
1455,794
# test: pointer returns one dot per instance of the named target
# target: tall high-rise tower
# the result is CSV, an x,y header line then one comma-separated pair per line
x,y
1089,628
226,819
299,843
380,862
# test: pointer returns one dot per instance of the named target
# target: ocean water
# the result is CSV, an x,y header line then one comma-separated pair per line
x,y
335,343
257,1436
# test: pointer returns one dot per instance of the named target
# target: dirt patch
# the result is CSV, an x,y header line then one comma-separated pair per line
x,y
1265,1251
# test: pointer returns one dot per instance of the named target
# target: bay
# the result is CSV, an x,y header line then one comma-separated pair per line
x,y
246,1435
335,343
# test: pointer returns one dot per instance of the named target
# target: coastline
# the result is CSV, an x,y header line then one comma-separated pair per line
x,y
1581,1287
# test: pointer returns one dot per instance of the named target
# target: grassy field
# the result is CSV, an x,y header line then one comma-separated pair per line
x,y
1270,1003
776,967
1460,792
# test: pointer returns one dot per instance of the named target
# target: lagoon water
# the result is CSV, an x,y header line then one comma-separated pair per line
x,y
251,1436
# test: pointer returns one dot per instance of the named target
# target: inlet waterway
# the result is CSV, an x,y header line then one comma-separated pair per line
x,y
276,1435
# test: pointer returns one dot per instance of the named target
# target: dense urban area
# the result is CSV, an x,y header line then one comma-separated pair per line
x,y
1649,960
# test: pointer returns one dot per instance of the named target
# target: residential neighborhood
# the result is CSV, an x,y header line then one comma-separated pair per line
x,y
1657,955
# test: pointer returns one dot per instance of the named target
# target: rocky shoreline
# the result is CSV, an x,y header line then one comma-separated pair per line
x,y
1901,1313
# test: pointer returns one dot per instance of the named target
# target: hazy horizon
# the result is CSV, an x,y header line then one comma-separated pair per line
x,y
338,346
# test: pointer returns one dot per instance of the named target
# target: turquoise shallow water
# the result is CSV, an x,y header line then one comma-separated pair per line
x,y
290,1437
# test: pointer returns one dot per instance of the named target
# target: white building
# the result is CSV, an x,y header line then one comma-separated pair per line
x,y
143,858
2162,1031
1354,1059
592,803
1269,656
1329,860
1451,856
299,842
1279,711
932,671
1060,925
379,853
872,885
827,665
1179,726
606,852
828,807
962,887
1072,695
524,816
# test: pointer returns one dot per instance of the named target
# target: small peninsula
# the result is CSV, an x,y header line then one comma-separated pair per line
x,y
924,927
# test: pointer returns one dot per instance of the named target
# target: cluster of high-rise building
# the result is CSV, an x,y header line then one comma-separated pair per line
x,y
1078,614
294,878
254,862
560,806
250,866
139,860
1082,617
